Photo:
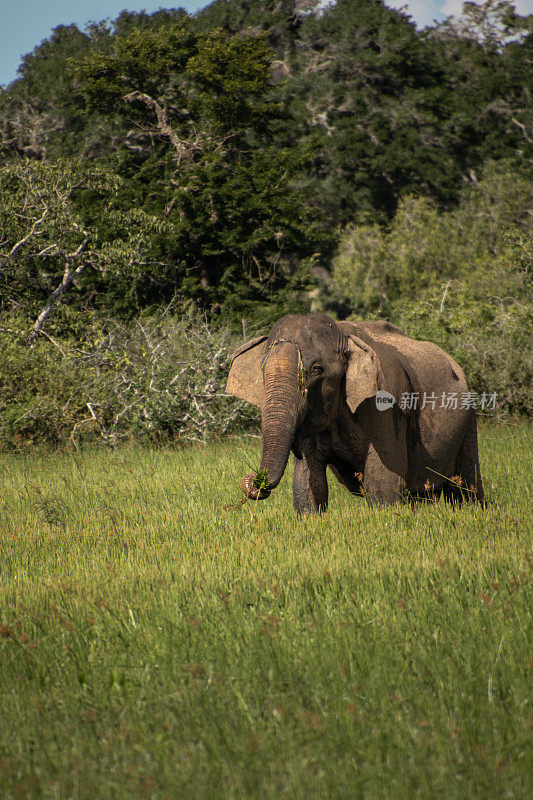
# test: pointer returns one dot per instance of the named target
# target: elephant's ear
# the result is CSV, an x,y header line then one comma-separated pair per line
x,y
362,372
245,379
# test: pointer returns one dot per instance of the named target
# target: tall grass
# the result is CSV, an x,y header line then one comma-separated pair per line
x,y
161,639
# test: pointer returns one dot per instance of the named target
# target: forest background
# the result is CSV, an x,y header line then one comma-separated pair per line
x,y
171,184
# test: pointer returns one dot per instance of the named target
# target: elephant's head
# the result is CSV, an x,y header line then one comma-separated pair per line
x,y
299,377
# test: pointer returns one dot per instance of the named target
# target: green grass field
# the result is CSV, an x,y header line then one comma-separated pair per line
x,y
161,639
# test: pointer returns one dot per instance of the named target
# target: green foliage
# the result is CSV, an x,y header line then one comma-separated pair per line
x,y
484,58
393,110
400,111
374,92
40,112
143,60
160,638
41,231
461,279
40,392
375,267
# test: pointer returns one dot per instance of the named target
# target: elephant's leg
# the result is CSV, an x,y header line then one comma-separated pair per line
x,y
349,478
309,485
467,468
382,486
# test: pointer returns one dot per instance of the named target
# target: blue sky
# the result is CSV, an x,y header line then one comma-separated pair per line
x,y
25,23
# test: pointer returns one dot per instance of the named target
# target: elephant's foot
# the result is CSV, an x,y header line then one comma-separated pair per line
x,y
456,492
309,486
381,485
468,470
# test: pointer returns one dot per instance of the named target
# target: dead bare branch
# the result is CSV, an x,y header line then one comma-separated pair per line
x,y
183,148
67,281
522,128
33,232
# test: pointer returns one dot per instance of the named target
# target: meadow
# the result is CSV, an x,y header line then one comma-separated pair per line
x,y
159,638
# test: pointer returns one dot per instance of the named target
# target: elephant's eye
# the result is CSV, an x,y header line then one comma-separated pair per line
x,y
317,369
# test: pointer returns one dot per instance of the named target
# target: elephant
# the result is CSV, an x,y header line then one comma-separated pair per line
x,y
335,394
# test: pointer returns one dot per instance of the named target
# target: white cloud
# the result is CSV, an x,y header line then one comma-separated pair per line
x,y
454,7
423,12
524,7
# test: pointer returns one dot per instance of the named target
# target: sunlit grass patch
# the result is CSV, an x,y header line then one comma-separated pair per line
x,y
159,638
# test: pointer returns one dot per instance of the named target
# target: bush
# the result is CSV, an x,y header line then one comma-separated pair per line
x,y
461,279
159,379
484,319
375,268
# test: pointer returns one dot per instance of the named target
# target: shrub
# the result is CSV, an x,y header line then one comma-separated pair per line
x,y
458,278
158,379
484,319
375,268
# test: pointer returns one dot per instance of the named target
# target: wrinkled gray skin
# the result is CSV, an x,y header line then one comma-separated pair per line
x,y
315,381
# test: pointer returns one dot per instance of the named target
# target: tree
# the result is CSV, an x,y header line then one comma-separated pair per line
x,y
41,112
491,23
486,56
278,20
365,82
213,169
256,128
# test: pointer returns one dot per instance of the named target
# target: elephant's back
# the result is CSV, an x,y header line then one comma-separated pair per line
x,y
435,370
429,367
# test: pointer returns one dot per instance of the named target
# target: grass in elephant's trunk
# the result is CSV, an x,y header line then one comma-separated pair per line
x,y
256,486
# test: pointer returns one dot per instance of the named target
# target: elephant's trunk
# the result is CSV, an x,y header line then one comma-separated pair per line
x,y
279,418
